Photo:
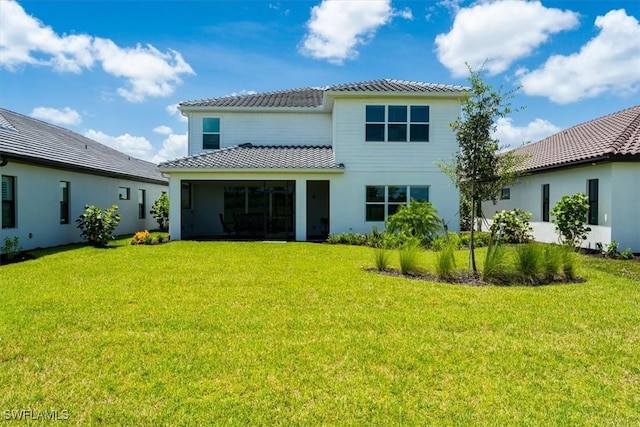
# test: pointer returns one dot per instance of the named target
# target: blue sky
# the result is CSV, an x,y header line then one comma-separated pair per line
x,y
114,70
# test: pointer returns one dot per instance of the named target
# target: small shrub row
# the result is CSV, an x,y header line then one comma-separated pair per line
x,y
611,251
145,238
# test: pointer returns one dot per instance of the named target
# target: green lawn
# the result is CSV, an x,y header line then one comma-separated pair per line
x,y
195,333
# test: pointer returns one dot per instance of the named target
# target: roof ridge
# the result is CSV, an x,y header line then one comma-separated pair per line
x,y
624,136
248,95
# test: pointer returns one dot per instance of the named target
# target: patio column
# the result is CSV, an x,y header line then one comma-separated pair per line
x,y
175,211
301,209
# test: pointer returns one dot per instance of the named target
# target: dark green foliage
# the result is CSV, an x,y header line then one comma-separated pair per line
x,y
418,220
496,267
11,247
569,262
513,226
626,254
97,226
570,216
382,257
553,260
481,238
408,256
441,240
355,239
160,211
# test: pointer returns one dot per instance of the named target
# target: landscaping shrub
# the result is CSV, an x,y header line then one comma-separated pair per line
x,y
11,247
480,238
160,211
442,240
382,257
553,256
408,256
569,262
513,224
97,225
446,262
626,254
418,220
529,262
142,238
349,238
570,216
496,267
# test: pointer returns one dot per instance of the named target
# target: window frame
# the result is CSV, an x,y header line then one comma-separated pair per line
x,y
386,200
65,192
592,197
546,206
142,203
9,204
127,195
408,127
505,193
205,133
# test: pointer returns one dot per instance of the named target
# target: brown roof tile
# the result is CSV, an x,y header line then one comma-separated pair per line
x,y
616,135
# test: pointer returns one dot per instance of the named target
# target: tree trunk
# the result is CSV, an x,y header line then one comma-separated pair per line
x,y
472,251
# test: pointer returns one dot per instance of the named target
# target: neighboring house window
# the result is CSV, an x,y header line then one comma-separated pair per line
x,y
124,193
142,204
385,200
397,123
186,195
8,201
64,202
545,202
210,133
505,194
593,202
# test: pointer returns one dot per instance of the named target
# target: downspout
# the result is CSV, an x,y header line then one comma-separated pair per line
x,y
3,161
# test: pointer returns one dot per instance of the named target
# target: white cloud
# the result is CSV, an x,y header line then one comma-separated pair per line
x,y
173,146
405,13
609,62
337,27
66,116
163,130
136,146
511,136
499,32
173,111
24,40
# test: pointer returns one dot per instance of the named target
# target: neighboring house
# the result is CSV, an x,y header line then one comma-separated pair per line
x,y
599,158
303,163
49,174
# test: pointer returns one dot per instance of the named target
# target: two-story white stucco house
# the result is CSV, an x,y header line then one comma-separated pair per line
x,y
299,164
50,173
599,158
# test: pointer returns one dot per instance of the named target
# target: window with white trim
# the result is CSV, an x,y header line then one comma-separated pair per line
x,y
397,123
210,133
383,201
8,201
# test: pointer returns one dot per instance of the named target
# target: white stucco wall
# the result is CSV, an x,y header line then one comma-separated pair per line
x,y
526,194
263,128
625,196
38,203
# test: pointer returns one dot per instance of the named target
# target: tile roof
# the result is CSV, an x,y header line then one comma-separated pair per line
x,y
32,140
313,97
615,136
249,156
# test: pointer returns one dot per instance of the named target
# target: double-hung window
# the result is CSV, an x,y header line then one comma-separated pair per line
x,y
397,123
210,133
8,201
64,202
592,217
383,201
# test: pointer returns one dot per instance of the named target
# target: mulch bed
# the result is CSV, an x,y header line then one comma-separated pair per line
x,y
22,256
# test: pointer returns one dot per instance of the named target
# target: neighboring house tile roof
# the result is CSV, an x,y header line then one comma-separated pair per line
x,y
615,136
35,141
249,156
313,97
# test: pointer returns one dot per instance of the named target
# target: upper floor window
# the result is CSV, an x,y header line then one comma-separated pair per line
x,y
210,133
64,202
592,217
124,193
397,123
383,201
8,201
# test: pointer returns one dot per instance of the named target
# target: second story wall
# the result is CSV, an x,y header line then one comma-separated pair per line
x,y
352,148
260,128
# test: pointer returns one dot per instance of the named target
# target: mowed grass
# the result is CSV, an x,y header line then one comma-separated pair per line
x,y
193,333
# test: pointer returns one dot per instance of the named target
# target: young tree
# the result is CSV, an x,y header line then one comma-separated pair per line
x,y
570,216
478,169
160,211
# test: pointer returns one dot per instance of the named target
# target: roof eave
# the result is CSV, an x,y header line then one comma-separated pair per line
x,y
245,109
336,170
76,168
